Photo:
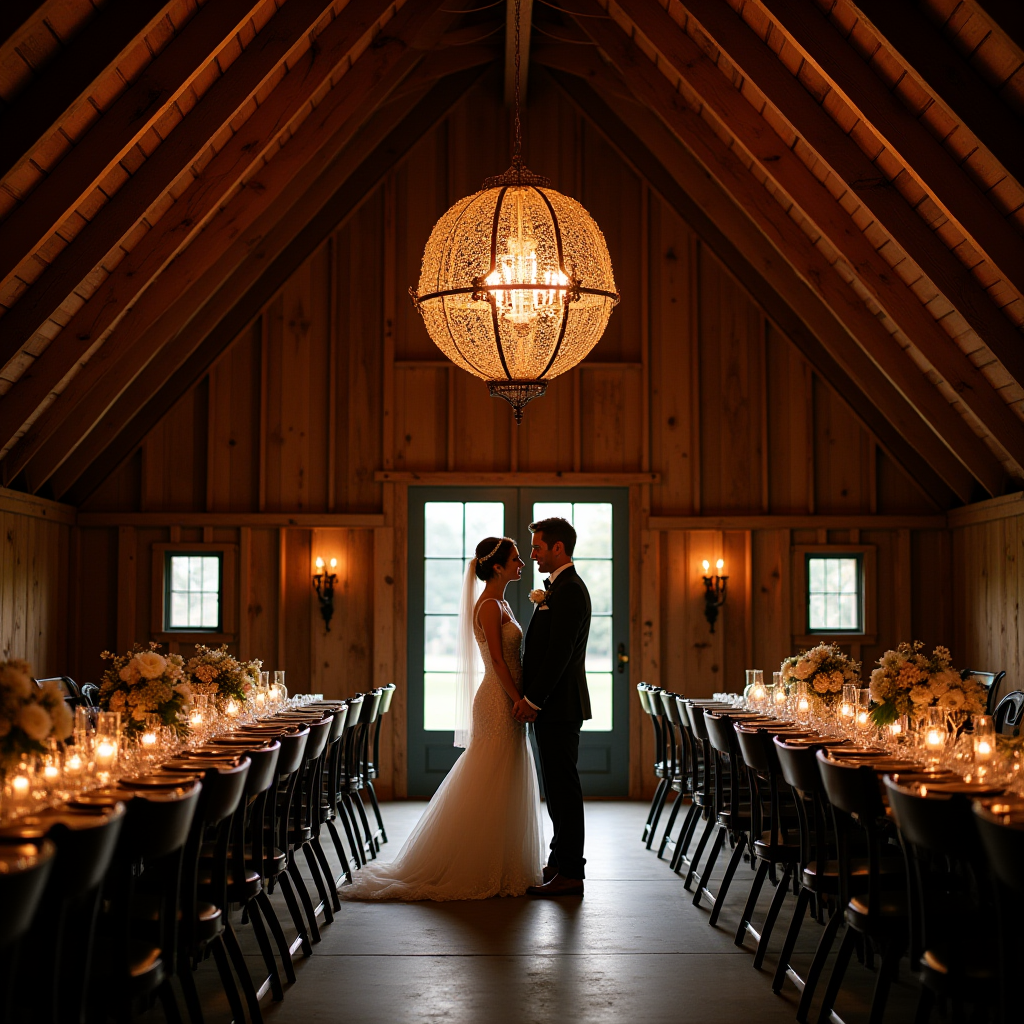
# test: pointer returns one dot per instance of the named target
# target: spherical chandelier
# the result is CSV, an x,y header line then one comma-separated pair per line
x,y
516,285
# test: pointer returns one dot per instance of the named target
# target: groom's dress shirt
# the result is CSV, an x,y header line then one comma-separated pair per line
x,y
548,584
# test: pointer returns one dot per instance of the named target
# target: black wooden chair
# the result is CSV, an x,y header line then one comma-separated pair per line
x,y
648,697
1009,714
1001,830
880,915
776,836
24,869
704,796
387,693
991,681
56,954
682,772
952,916
732,807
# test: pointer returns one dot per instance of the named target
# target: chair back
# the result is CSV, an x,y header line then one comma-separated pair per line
x,y
90,694
991,681
798,764
386,696
1009,714
24,870
67,685
730,771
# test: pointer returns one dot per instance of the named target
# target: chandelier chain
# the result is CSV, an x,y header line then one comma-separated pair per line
x,y
517,156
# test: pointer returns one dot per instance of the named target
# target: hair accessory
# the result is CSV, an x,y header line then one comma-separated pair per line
x,y
495,551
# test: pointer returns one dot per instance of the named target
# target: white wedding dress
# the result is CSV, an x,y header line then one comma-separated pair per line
x,y
480,835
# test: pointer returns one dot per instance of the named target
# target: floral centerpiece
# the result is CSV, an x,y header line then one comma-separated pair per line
x,y
145,682
825,669
30,715
907,681
216,672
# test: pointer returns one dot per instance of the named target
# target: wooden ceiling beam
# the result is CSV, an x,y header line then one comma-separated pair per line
x,y
654,90
14,14
659,157
117,27
937,65
848,163
120,127
184,362
926,159
790,174
227,240
1008,15
193,207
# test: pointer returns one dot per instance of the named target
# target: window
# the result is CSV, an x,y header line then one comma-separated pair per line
x,y
193,582
452,530
835,593
593,560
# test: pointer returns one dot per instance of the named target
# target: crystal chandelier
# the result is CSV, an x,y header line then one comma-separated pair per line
x,y
516,285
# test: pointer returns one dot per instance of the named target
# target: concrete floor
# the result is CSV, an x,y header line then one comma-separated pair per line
x,y
634,949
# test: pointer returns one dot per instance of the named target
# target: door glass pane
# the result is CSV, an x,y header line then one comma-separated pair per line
x,y
452,530
593,561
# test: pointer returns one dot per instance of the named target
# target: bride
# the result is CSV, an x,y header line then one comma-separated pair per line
x,y
480,835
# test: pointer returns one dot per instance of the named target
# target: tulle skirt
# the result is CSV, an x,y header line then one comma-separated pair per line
x,y
480,835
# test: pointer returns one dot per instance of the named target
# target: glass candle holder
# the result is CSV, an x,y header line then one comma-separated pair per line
x,y
758,695
864,723
281,689
803,702
984,741
848,706
780,698
933,734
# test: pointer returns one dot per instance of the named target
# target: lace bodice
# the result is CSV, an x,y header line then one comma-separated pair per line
x,y
511,646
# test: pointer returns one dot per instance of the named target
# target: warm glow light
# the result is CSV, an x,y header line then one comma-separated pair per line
x,y
149,739
707,565
106,753
933,738
19,787
261,698
780,695
720,564
895,728
231,708
334,563
196,718
51,771
846,710
73,765
319,564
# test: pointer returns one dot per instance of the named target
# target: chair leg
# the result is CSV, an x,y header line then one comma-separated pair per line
x,y
227,979
169,1002
242,970
835,980
260,931
348,819
339,849
773,913
296,916
650,812
883,981
734,863
263,901
376,810
709,865
371,847
319,881
193,1004
660,806
676,804
685,836
292,871
748,907
825,942
803,898
326,871
704,837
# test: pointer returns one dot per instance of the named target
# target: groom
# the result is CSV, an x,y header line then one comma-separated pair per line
x,y
556,699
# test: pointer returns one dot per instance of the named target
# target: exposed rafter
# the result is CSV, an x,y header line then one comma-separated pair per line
x,y
193,351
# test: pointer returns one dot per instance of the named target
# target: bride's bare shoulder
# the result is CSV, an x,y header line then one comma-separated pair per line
x,y
488,610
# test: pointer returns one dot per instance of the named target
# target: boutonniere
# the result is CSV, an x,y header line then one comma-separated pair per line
x,y
539,598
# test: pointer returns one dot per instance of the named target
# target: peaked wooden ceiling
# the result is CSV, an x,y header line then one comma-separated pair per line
x,y
167,164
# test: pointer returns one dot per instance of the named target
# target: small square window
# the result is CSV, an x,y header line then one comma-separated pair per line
x,y
192,591
835,593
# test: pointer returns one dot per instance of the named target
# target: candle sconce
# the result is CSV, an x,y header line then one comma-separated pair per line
x,y
714,592
323,582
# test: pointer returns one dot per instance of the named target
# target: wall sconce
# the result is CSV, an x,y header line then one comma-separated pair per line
x,y
714,592
323,582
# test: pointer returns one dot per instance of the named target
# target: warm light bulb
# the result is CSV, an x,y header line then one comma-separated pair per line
x,y
320,564
720,564
334,563
707,565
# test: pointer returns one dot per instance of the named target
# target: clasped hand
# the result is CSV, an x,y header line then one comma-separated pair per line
x,y
524,712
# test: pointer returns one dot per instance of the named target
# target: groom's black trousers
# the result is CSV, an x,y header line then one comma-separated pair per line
x,y
559,747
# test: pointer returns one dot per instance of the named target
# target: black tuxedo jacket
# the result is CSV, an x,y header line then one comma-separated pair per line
x,y
555,657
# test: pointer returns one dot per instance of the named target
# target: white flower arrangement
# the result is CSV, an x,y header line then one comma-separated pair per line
x,y
538,596
29,714
145,682
907,681
825,668
215,672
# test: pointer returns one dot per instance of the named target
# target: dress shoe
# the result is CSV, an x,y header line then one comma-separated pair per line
x,y
558,886
549,872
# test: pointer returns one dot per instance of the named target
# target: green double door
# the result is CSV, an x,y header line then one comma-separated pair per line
x,y
445,525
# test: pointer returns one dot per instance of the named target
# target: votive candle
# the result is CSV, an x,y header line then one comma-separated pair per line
x,y
105,755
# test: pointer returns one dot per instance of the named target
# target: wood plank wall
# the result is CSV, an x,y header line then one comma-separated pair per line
x,y
281,449
35,585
